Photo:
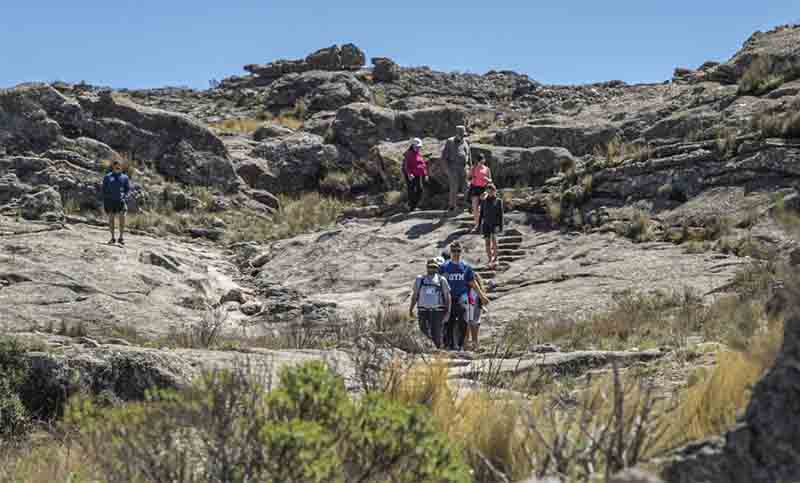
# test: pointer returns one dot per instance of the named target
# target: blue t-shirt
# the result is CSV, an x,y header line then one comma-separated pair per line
x,y
116,186
458,275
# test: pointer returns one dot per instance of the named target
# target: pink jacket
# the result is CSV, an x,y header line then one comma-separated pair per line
x,y
415,164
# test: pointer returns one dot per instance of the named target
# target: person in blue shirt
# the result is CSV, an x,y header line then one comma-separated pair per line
x,y
461,278
116,187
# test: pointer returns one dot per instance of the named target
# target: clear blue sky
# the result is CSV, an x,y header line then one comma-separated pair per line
x,y
152,43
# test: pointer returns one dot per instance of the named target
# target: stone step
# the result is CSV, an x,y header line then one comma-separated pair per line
x,y
509,246
509,239
509,259
510,252
512,232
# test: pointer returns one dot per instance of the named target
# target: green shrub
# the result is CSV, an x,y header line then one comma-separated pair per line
x,y
14,417
228,428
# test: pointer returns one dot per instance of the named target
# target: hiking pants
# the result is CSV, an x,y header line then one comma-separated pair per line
x,y
414,191
430,323
457,180
456,330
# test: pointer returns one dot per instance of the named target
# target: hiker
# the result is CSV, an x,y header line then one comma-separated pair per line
x,y
431,295
479,176
490,221
116,187
478,301
457,158
461,278
415,170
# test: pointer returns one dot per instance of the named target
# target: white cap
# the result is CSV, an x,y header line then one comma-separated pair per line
x,y
416,142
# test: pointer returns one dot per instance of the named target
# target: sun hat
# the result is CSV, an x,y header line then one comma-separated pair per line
x,y
432,263
416,142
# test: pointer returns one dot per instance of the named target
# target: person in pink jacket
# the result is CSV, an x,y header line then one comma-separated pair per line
x,y
415,170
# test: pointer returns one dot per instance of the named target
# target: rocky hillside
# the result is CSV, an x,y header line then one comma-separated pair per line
x,y
611,189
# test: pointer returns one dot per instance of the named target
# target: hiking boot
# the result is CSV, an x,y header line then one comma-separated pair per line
x,y
121,241
112,241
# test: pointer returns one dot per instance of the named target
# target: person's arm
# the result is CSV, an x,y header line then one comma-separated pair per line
x,y
446,152
414,296
105,187
448,300
126,188
481,212
500,214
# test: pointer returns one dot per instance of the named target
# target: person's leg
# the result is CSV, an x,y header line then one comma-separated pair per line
x,y
417,191
488,250
453,180
422,319
475,214
437,318
111,216
121,225
447,330
493,240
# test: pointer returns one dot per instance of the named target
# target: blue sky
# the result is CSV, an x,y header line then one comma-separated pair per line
x,y
150,43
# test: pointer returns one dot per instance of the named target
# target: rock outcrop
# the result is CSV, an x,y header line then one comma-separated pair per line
x,y
765,445
346,57
359,127
317,90
289,164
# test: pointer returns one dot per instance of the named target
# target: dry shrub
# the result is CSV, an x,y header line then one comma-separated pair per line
x,y
760,77
242,126
52,461
726,141
617,151
710,406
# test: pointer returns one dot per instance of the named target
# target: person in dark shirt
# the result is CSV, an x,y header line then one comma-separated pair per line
x,y
490,221
116,188
460,278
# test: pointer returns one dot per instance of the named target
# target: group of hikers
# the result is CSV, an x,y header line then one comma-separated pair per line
x,y
451,296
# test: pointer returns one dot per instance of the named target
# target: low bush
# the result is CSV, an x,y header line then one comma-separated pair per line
x,y
227,428
15,421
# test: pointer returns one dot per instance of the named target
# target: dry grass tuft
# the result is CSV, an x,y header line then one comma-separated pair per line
x,y
242,126
617,151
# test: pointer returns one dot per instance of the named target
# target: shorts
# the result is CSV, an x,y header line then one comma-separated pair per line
x,y
476,191
115,207
489,231
475,319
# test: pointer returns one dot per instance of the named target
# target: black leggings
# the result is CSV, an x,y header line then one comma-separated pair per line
x,y
430,323
455,331
414,191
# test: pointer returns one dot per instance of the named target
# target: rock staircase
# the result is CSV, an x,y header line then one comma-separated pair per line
x,y
509,248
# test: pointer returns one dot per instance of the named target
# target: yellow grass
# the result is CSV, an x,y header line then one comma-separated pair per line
x,y
243,126
48,463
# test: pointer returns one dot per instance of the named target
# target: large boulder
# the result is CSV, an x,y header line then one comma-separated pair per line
x,y
30,114
319,90
346,57
289,165
384,70
46,202
579,139
184,149
765,445
528,166
358,127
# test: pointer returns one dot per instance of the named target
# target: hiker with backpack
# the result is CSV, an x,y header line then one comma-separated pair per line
x,y
490,221
457,158
431,296
415,171
479,177
116,188
461,278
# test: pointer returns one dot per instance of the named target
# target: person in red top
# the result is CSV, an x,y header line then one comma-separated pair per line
x,y
415,170
479,177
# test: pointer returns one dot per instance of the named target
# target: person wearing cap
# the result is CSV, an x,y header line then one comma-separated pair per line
x,y
479,177
457,158
431,296
461,279
415,170
116,188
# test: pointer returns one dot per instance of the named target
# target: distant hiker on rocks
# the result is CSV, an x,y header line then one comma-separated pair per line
x,y
415,170
477,301
490,221
457,158
461,278
116,187
432,297
479,176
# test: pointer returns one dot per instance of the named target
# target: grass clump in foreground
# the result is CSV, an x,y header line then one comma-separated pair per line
x,y
232,426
